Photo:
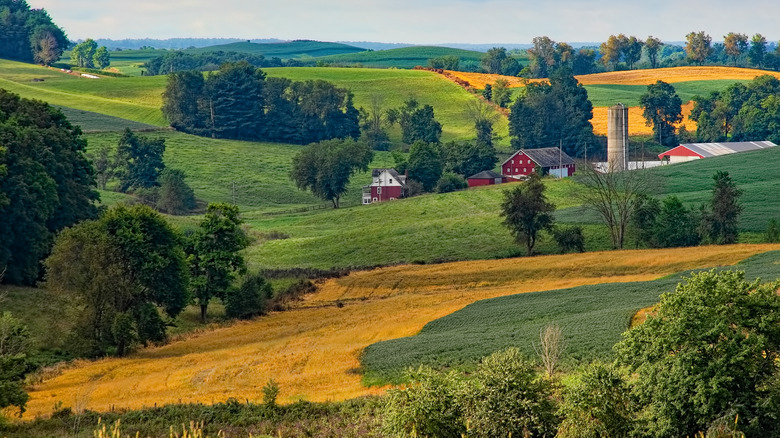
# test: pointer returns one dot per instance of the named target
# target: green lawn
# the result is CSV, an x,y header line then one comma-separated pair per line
x,y
592,319
96,122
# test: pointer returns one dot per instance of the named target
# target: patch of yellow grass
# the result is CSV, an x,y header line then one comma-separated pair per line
x,y
636,123
641,316
673,74
312,351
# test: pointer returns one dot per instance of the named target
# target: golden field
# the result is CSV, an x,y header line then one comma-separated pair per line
x,y
631,77
312,350
636,123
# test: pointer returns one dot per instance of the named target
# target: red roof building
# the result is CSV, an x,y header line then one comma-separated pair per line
x,y
696,151
551,161
486,177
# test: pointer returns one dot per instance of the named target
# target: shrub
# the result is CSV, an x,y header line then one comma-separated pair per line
x,y
270,392
249,299
773,231
509,398
569,239
174,195
450,182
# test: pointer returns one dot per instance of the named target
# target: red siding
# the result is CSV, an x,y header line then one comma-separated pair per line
x,y
518,165
393,192
679,151
475,182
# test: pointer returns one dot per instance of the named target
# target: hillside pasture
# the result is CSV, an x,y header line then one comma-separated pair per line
x,y
592,318
393,87
137,99
91,122
300,49
313,350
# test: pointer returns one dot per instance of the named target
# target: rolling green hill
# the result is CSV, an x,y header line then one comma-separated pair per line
x,y
608,94
591,317
293,49
406,57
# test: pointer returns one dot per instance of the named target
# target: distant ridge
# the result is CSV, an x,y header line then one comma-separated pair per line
x,y
173,43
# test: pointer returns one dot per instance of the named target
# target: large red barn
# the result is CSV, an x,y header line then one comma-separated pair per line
x,y
551,161
696,151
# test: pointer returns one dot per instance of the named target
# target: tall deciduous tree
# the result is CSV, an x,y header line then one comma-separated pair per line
x,y
652,47
425,164
497,61
214,254
709,352
119,269
734,44
552,114
614,197
612,50
418,123
725,209
372,125
29,35
83,54
757,51
632,51
325,168
101,59
698,46
662,109
48,183
142,160
527,212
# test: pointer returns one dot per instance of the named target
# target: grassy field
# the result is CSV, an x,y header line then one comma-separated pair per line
x,y
137,99
394,87
406,57
592,318
312,351
92,122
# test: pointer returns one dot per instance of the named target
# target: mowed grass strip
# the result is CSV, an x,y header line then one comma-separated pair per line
x,y
592,318
313,350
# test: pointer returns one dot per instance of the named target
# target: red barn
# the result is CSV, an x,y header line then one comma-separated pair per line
x,y
696,151
386,185
486,177
552,161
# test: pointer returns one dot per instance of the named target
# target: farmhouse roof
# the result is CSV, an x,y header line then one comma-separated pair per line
x,y
706,150
486,174
398,177
544,157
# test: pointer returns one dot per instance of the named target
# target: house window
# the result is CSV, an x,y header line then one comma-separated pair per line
x,y
529,161
525,170
513,162
516,170
391,180
379,190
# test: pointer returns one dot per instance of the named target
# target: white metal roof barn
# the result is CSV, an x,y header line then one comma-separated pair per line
x,y
695,151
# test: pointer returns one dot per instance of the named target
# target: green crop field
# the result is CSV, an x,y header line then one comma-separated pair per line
x,y
591,317
294,49
608,94
406,57
393,87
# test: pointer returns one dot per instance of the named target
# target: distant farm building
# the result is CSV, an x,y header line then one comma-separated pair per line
x,y
696,151
485,178
552,161
386,185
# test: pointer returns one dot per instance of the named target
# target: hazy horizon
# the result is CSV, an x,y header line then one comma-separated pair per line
x,y
410,22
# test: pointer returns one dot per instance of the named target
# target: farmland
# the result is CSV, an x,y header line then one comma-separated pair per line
x,y
312,351
591,316
301,49
406,57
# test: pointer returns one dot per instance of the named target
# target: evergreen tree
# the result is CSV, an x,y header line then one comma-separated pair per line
x,y
725,209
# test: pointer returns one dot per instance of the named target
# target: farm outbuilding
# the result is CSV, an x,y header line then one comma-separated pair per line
x,y
485,178
696,151
386,185
551,161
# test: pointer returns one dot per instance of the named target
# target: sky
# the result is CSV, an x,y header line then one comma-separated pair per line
x,y
412,21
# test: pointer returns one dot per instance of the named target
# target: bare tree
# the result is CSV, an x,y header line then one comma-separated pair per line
x,y
551,346
613,195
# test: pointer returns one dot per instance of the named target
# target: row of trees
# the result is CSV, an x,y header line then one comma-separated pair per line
x,y
177,60
721,378
87,54
29,35
239,102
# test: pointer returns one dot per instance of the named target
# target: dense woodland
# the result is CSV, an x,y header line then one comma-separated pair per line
x,y
29,35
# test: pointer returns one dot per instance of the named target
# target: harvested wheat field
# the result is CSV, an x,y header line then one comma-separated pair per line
x,y
312,351
630,77
636,122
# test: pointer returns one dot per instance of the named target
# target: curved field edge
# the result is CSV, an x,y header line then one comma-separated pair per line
x,y
592,318
313,350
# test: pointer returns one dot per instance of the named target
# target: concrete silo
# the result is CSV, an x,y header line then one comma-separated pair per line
x,y
617,138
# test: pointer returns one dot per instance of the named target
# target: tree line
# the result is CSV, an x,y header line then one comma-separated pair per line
x,y
177,60
239,102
